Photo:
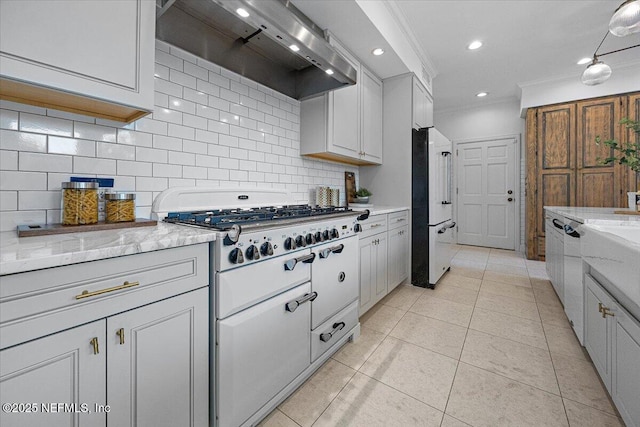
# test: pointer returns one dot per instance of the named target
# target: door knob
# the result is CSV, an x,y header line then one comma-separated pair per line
x,y
510,192
510,199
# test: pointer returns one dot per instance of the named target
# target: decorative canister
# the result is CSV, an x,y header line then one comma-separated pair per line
x,y
323,196
335,197
120,207
79,203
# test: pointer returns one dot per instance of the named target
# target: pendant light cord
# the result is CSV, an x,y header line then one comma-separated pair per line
x,y
595,54
619,50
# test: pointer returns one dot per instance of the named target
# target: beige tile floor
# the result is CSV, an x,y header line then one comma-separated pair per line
x,y
490,346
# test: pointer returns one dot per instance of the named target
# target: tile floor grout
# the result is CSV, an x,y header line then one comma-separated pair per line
x,y
409,297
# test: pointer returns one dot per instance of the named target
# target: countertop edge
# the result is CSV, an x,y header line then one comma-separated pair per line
x,y
380,210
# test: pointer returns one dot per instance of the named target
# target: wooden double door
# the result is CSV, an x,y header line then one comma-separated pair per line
x,y
564,163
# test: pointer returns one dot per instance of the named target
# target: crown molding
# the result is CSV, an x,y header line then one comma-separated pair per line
x,y
483,104
401,20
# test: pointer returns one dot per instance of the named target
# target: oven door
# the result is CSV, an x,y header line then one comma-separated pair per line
x,y
335,277
260,350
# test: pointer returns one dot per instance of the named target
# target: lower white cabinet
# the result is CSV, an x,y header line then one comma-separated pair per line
x,y
373,270
612,338
146,365
398,262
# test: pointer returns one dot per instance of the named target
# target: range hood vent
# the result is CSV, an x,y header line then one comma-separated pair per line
x,y
257,46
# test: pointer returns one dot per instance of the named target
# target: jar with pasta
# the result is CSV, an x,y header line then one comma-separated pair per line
x,y
79,203
120,207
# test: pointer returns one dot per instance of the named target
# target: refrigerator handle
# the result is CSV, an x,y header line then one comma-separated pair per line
x,y
447,155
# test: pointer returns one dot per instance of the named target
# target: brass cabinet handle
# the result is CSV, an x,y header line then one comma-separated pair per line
x,y
94,343
376,225
400,219
120,333
125,285
605,311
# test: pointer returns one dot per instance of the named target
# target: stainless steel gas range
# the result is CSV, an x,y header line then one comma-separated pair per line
x,y
284,293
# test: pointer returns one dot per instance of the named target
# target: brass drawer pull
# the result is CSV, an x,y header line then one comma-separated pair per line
x,y
94,344
120,333
605,311
125,285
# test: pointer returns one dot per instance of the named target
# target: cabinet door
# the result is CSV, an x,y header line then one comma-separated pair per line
x,y
625,370
74,46
403,256
598,185
419,105
367,274
371,117
380,266
393,259
158,364
597,331
344,119
59,369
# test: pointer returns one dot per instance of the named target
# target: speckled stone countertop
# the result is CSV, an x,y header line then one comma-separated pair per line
x,y
20,254
378,210
592,215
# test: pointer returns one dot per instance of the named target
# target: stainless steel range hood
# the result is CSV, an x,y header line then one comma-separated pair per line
x,y
256,46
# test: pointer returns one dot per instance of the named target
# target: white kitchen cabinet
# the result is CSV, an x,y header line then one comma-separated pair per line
x,y
373,270
345,124
554,250
398,251
160,353
422,106
612,338
145,338
88,57
60,368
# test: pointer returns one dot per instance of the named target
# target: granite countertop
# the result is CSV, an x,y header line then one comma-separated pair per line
x,y
378,209
33,253
592,215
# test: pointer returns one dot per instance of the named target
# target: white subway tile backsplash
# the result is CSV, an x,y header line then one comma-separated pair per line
x,y
167,143
167,171
72,146
93,165
125,167
115,151
8,200
96,132
8,160
18,180
210,127
132,137
34,200
22,141
38,162
8,119
180,131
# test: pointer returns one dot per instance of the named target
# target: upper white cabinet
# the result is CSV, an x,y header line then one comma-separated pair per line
x,y
422,106
345,125
89,57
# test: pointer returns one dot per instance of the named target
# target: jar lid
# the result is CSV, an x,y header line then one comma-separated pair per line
x,y
119,196
81,185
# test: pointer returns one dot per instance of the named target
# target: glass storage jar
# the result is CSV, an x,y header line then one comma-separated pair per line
x,y
120,207
79,203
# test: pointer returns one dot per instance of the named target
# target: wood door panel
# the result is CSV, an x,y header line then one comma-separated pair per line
x,y
554,190
596,120
599,190
633,113
555,134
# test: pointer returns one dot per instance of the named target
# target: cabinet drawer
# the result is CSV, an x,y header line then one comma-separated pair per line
x,y
398,219
325,335
41,302
373,225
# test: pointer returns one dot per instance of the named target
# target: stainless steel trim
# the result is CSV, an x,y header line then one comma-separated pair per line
x,y
292,306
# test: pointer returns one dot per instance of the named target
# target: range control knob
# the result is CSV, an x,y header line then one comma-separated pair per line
x,y
235,256
318,236
335,234
289,244
266,249
310,239
325,235
252,253
357,228
301,242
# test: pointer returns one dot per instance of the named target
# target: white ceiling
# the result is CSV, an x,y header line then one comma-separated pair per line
x,y
524,41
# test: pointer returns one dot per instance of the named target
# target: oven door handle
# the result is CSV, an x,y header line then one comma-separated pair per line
x,y
328,251
292,306
328,335
556,223
307,259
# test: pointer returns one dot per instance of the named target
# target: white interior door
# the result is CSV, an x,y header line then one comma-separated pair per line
x,y
487,193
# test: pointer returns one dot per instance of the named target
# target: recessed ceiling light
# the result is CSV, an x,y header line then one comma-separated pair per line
x,y
242,12
584,61
329,71
378,51
294,47
476,44
482,94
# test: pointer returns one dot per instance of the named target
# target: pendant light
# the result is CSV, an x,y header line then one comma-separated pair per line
x,y
597,72
626,19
